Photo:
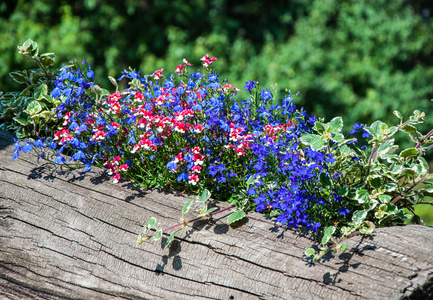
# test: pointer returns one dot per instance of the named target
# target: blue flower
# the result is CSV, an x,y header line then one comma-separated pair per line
x,y
188,157
56,93
251,192
59,160
79,155
356,128
315,226
266,94
27,147
16,155
249,85
221,179
183,177
366,134
171,165
343,211
17,146
90,73
39,143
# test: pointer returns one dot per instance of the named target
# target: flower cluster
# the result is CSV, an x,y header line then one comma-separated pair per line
x,y
193,134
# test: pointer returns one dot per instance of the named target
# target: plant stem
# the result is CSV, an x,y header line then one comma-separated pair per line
x,y
197,219
424,139
415,184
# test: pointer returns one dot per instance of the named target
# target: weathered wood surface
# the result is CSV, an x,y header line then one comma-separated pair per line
x,y
68,236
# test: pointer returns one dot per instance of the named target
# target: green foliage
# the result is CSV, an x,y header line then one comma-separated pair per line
x,y
203,213
31,111
378,184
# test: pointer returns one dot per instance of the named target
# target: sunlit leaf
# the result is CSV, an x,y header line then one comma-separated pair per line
x,y
235,216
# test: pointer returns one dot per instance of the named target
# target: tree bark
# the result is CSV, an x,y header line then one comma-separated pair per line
x,y
65,235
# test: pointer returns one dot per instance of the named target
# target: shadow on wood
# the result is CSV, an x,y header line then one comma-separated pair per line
x,y
64,235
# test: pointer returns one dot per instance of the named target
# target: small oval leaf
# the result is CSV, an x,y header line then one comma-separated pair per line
x,y
235,216
309,252
186,206
170,239
409,152
205,194
158,235
152,223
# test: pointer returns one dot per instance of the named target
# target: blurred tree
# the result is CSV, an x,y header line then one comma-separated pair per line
x,y
359,59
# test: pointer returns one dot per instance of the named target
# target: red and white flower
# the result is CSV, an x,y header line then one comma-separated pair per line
x,y
207,61
124,167
193,179
198,158
158,74
116,178
198,128
98,135
196,169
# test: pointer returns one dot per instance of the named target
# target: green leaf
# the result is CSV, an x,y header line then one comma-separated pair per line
x,y
370,205
158,235
309,252
336,124
49,98
384,198
376,181
343,191
48,59
236,216
20,77
21,121
94,91
367,227
408,128
170,239
113,81
389,187
417,220
427,192
205,194
324,179
338,137
251,180
398,114
33,107
152,223
105,92
362,196
359,216
344,247
409,152
408,172
320,127
28,47
415,136
186,206
374,129
387,147
313,140
211,210
392,130
27,90
329,231
40,91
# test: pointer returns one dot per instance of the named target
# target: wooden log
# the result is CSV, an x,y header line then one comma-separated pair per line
x,y
65,235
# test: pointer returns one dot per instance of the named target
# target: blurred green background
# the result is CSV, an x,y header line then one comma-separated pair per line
x,y
358,59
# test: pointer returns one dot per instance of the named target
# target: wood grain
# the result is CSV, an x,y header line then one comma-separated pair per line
x,y
65,235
